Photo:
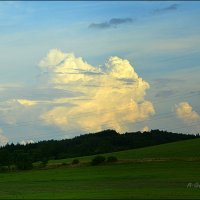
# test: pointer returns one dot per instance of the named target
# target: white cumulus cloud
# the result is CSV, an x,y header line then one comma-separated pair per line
x,y
113,95
185,112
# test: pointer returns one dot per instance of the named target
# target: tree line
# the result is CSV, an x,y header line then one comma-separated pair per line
x,y
22,156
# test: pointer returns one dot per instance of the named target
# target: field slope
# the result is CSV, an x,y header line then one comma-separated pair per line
x,y
181,149
168,179
186,150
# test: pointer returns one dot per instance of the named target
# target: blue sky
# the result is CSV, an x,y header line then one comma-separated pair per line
x,y
161,41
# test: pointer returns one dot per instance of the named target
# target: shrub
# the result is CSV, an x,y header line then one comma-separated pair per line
x,y
112,159
44,162
64,164
3,169
24,165
98,160
75,162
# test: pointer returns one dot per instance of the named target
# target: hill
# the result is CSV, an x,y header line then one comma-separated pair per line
x,y
88,144
181,150
171,179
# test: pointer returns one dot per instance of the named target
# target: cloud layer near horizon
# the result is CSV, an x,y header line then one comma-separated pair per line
x,y
113,95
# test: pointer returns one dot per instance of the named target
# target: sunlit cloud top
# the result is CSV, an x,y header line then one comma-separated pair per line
x,y
114,93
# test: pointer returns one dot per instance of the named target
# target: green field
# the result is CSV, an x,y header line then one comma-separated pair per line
x,y
182,150
149,178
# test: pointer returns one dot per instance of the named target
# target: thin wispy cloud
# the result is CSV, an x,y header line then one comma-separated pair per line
x,y
165,93
112,23
172,7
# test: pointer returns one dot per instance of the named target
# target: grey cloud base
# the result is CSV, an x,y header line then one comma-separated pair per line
x,y
112,23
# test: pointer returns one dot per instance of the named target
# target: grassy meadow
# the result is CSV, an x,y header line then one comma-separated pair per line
x,y
182,150
139,174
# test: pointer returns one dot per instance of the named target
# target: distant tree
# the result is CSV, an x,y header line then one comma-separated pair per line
x,y
98,160
75,161
5,157
23,161
44,162
3,169
112,159
64,164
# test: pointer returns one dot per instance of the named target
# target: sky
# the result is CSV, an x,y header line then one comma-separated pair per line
x,y
71,68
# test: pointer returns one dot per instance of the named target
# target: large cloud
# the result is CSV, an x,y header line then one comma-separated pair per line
x,y
185,112
113,95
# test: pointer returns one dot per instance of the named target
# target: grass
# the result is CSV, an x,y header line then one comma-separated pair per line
x,y
188,149
153,180
129,180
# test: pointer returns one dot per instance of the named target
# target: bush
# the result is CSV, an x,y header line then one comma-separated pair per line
x,y
64,164
112,159
3,169
24,165
75,162
44,162
98,160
